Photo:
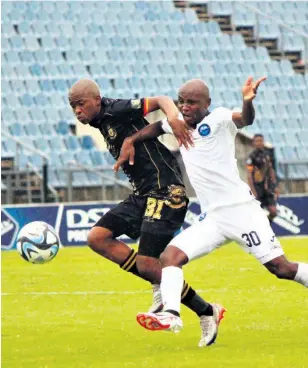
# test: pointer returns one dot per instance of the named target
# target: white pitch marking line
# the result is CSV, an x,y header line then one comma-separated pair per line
x,y
38,293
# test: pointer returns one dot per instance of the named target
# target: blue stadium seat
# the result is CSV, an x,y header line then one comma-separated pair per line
x,y
37,70
39,28
77,44
12,57
57,144
87,142
27,100
41,144
41,57
38,115
80,70
66,70
5,45
16,129
46,85
42,100
7,29
98,158
36,161
56,56
31,43
68,158
22,71
16,43
60,85
51,114
18,86
73,143
72,56
94,29
52,71
32,129
62,128
12,101
56,162
48,43
26,57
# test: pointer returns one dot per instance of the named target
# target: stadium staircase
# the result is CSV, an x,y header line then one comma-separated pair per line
x,y
224,15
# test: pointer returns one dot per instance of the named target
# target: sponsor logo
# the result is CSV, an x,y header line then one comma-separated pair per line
x,y
288,220
204,130
9,230
136,104
79,223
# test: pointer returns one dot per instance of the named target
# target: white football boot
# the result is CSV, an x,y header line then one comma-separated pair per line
x,y
163,321
209,325
157,305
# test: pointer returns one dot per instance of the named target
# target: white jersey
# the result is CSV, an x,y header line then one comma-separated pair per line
x,y
211,165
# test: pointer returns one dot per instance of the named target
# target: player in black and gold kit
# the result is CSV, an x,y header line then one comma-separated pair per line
x,y
156,209
261,176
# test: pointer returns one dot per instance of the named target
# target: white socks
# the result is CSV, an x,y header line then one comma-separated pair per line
x,y
302,274
171,287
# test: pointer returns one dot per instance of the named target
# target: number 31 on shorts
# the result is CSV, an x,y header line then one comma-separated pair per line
x,y
154,208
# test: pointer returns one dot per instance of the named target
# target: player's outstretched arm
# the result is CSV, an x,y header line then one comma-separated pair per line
x,y
128,150
249,92
180,129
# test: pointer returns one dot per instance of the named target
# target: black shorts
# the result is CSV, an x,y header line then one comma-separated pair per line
x,y
154,218
266,197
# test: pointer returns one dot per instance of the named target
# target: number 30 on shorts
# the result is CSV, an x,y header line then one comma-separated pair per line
x,y
154,208
251,239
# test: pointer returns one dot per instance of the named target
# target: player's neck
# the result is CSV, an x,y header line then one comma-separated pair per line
x,y
206,113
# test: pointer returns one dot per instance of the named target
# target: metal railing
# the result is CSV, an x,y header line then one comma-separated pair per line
x,y
73,166
281,25
285,166
27,147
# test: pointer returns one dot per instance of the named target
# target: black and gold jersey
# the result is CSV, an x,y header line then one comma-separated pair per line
x,y
259,163
155,167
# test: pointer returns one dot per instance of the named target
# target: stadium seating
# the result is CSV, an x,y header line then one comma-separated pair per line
x,y
46,46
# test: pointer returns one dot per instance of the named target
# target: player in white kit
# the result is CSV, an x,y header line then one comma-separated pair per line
x,y
232,212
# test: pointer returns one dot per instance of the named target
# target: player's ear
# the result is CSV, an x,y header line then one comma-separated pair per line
x,y
209,102
98,100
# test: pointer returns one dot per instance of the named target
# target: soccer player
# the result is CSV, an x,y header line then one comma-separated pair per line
x,y
156,209
261,176
232,212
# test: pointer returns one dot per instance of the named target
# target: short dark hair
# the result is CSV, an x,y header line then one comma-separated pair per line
x,y
257,135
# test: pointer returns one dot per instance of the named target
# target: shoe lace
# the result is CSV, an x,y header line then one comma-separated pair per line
x,y
156,294
206,325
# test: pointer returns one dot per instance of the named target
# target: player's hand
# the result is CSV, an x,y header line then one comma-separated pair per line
x,y
182,132
127,154
250,88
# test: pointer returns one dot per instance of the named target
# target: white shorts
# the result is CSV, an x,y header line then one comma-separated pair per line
x,y
246,223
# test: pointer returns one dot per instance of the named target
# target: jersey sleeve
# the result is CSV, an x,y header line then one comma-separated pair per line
x,y
166,127
131,109
250,164
225,117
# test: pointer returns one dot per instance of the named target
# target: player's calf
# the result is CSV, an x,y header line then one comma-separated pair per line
x,y
287,270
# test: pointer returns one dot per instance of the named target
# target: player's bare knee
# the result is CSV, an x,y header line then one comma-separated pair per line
x,y
173,256
97,238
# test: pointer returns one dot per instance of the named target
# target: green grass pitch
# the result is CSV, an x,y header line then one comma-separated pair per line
x,y
79,311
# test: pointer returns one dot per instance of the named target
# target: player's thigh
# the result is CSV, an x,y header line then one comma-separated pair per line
x,y
249,226
125,218
162,219
200,238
